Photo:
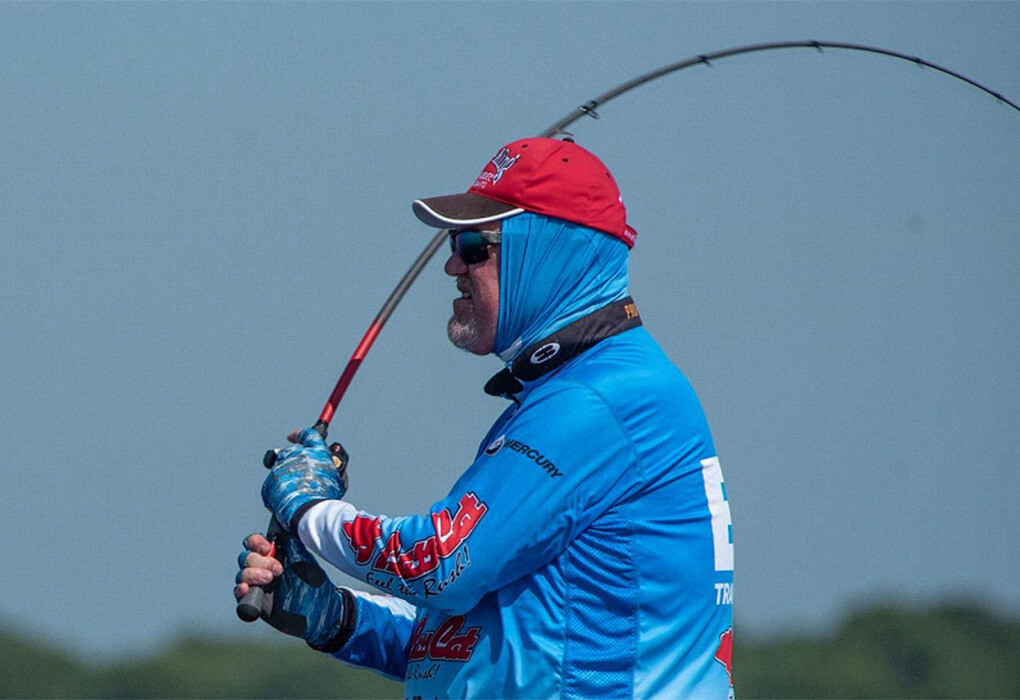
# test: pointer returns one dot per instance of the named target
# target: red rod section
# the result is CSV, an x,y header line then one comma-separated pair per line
x,y
373,330
352,367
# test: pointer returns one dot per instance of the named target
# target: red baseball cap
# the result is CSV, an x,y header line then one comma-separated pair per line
x,y
541,175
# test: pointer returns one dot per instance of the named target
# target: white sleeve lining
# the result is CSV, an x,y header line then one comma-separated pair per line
x,y
321,530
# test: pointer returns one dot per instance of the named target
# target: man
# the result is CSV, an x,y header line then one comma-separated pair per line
x,y
587,551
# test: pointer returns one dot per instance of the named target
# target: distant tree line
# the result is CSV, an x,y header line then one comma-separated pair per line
x,y
948,651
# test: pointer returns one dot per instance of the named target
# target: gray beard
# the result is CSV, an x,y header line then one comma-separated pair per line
x,y
463,334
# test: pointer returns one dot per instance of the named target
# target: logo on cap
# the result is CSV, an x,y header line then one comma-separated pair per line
x,y
545,353
501,162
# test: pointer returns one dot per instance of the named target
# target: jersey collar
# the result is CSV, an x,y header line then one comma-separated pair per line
x,y
556,349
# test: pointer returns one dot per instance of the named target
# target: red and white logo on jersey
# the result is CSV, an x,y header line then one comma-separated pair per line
x,y
445,643
724,654
423,557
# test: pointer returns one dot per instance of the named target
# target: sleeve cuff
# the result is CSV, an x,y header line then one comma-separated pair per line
x,y
345,627
295,520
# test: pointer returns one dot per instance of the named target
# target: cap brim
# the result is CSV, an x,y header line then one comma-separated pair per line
x,y
461,210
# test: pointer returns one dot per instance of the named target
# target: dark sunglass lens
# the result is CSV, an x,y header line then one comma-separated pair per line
x,y
470,246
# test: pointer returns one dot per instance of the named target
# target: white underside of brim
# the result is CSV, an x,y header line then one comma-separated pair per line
x,y
433,218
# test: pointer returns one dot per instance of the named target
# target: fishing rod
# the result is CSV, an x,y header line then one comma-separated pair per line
x,y
250,606
588,108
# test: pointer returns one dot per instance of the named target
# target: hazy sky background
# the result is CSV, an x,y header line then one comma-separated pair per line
x,y
203,205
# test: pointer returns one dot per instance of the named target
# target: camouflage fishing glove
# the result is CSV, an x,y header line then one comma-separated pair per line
x,y
303,475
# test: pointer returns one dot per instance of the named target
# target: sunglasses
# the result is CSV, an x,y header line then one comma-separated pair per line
x,y
471,245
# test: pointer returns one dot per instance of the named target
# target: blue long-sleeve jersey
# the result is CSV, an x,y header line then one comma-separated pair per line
x,y
587,551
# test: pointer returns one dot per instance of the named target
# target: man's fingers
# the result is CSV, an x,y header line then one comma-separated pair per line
x,y
308,437
254,560
255,577
240,590
257,542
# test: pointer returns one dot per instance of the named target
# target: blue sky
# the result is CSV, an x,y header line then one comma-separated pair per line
x,y
203,205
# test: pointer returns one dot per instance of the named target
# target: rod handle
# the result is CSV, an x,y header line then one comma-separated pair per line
x,y
249,608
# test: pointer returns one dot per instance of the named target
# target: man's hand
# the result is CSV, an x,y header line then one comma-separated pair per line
x,y
302,476
299,599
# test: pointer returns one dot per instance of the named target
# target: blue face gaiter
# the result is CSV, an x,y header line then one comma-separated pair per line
x,y
553,272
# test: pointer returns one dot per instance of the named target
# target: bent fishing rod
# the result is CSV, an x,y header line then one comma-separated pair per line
x,y
250,606
589,109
